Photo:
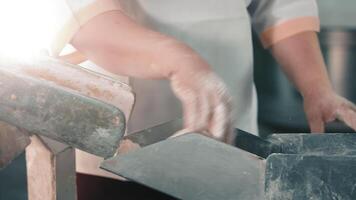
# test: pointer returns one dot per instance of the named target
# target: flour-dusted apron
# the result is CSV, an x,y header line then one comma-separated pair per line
x,y
220,31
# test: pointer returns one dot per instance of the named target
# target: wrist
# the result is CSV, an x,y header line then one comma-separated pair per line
x,y
317,91
190,66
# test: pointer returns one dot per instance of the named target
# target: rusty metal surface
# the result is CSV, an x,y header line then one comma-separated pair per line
x,y
74,78
50,170
13,142
43,108
63,157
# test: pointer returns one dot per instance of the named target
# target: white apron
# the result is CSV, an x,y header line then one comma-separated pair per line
x,y
220,31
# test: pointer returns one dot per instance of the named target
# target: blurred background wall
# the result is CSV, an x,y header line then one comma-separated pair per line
x,y
338,13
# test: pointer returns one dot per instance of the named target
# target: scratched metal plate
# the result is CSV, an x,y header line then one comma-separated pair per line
x,y
301,177
42,108
193,167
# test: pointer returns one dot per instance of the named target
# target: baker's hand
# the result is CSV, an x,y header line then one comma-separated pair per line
x,y
120,45
207,105
326,107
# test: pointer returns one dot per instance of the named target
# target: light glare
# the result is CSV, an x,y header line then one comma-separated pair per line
x,y
24,27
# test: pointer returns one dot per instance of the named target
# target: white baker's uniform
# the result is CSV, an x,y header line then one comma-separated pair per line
x,y
219,30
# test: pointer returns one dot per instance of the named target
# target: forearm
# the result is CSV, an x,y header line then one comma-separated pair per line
x,y
117,43
302,61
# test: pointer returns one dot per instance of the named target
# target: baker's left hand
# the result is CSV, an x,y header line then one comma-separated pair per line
x,y
327,106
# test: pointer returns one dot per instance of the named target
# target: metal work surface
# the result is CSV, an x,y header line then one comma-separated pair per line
x,y
301,177
341,144
44,109
193,167
299,167
307,144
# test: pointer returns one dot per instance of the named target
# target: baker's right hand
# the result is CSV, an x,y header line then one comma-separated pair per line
x,y
207,104
117,43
